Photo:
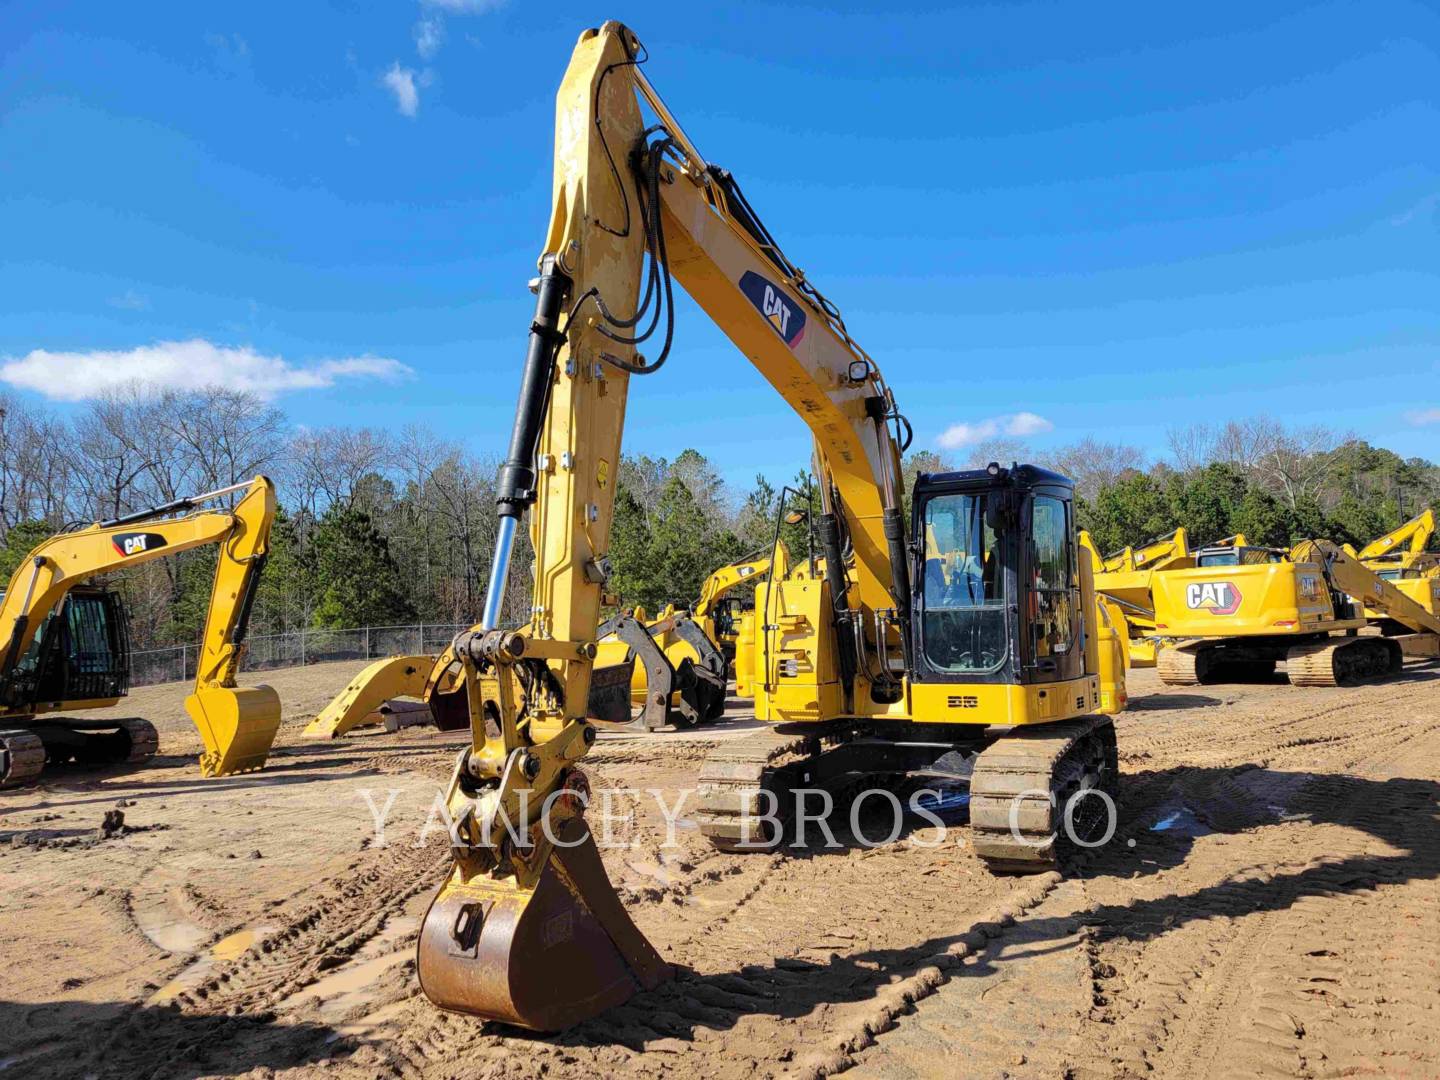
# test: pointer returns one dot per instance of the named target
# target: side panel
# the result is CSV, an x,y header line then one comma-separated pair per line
x,y
1222,601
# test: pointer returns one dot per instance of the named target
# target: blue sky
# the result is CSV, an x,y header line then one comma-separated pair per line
x,y
1115,217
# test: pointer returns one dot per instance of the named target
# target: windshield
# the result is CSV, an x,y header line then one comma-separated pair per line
x,y
963,589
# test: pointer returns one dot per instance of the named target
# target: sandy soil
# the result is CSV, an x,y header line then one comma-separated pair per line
x,y
1269,907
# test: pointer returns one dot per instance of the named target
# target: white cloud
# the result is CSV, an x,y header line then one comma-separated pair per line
x,y
1420,417
1016,425
1426,207
429,35
465,7
183,365
400,81
130,300
1027,423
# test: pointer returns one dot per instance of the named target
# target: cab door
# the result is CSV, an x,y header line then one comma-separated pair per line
x,y
1053,631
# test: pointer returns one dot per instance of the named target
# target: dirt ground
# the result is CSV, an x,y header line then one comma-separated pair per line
x,y
1269,907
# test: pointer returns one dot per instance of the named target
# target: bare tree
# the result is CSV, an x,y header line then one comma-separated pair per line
x,y
109,457
1093,464
224,436
1192,446
329,463
1004,450
1299,461
1247,444
34,478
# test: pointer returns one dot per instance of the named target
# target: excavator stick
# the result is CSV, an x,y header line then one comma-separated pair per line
x,y
237,724
356,705
545,956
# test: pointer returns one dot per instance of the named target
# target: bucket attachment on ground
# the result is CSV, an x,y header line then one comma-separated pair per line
x,y
358,704
544,956
237,724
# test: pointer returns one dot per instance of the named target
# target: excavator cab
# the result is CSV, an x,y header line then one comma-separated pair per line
x,y
1238,555
81,654
998,597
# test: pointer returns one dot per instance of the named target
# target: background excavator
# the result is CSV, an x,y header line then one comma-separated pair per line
x,y
1402,558
68,648
1125,578
985,663
718,610
1332,619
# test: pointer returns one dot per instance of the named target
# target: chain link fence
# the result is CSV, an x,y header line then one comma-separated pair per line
x,y
265,651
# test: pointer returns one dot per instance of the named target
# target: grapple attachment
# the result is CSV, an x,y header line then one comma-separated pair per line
x,y
237,724
543,956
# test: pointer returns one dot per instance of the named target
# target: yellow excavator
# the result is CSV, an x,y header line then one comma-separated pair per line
x,y
717,611
68,647
1401,558
1403,548
984,664
1242,609
1125,578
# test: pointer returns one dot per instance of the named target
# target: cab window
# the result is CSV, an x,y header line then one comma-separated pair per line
x,y
963,627
1051,578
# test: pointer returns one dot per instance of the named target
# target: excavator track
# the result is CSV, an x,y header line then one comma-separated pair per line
x,y
22,758
733,779
1179,665
144,739
1343,661
1022,784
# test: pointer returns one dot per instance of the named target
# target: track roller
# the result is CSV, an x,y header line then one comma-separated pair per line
x,y
1343,661
1022,787
732,784
22,758
1182,665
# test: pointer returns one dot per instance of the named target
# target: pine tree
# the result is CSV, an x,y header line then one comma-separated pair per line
x,y
357,581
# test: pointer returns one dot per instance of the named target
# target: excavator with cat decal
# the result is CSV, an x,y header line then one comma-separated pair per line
x,y
68,648
976,657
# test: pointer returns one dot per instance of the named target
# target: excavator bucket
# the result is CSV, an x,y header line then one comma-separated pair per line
x,y
356,705
238,725
543,957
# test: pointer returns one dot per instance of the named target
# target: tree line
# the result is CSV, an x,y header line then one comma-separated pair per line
x,y
381,527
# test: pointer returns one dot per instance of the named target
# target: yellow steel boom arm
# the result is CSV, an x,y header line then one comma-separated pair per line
x,y
1414,534
611,177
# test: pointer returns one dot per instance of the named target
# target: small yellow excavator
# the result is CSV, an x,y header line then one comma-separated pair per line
x,y
68,647
718,612
1242,609
1125,578
1410,568
1385,553
982,664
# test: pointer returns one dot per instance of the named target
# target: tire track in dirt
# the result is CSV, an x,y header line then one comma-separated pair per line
x,y
1209,968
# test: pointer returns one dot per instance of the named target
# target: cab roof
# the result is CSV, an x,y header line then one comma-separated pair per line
x,y
1026,476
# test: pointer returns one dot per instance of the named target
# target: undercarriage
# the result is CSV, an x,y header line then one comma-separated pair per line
x,y
1025,784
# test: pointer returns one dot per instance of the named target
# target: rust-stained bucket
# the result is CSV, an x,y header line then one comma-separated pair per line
x,y
543,958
